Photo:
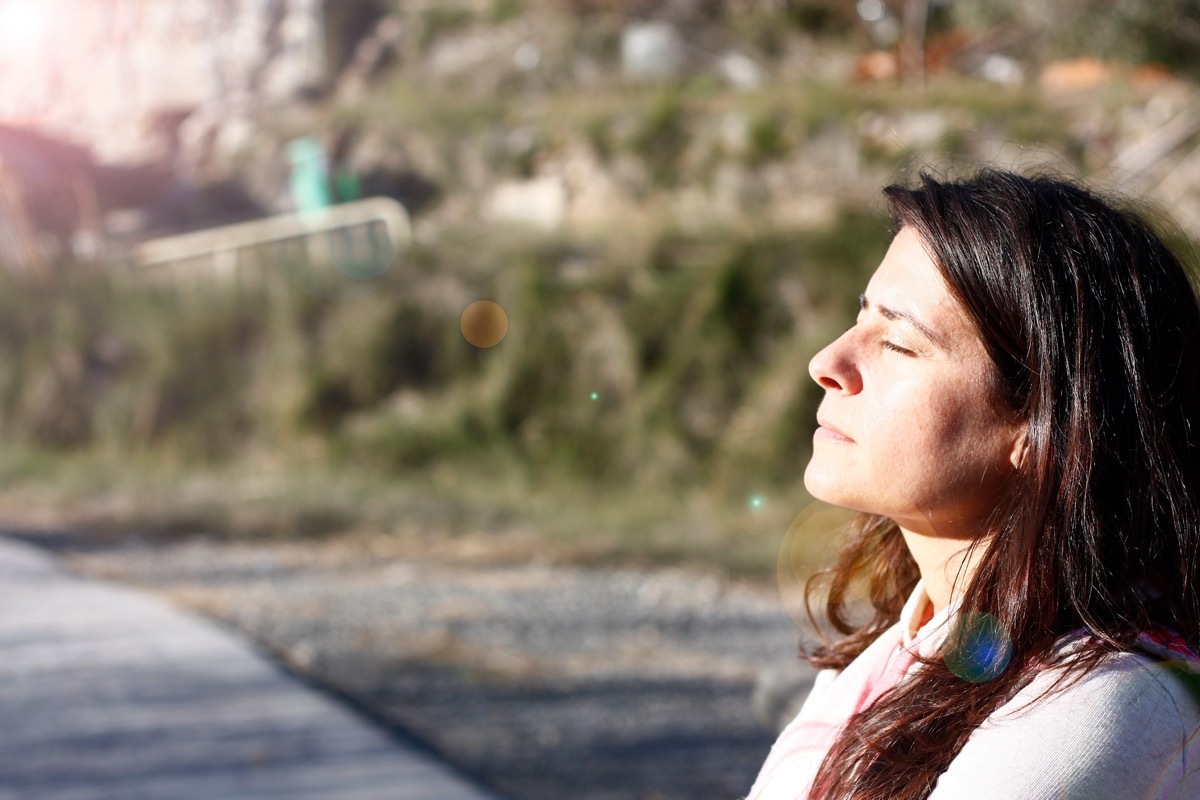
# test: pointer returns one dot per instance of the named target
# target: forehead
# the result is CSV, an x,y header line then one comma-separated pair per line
x,y
908,281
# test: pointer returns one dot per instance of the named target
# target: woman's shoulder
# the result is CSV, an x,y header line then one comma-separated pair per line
x,y
1161,675
1125,729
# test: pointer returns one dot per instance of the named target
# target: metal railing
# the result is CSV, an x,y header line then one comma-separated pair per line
x,y
360,239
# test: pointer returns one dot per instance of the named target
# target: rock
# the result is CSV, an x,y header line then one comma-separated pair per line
x,y
734,133
527,57
904,131
735,189
540,202
809,210
593,194
741,71
882,24
876,66
919,129
120,66
467,53
651,51
1001,69
1075,75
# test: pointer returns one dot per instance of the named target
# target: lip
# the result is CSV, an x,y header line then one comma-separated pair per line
x,y
829,431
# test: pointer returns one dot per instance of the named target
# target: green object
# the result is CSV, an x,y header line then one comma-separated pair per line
x,y
346,186
309,180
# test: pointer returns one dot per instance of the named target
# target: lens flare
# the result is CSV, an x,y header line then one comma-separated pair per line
x,y
807,545
484,323
979,648
25,26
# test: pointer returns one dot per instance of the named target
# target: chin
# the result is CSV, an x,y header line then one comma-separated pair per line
x,y
826,487
823,486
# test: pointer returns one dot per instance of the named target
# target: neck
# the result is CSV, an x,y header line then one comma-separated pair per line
x,y
946,564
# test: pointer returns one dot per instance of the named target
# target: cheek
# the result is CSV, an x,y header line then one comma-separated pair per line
x,y
910,411
971,444
953,429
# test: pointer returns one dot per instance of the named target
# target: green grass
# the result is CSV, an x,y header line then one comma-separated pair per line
x,y
674,130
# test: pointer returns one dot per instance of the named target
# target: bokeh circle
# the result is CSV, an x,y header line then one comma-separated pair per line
x,y
484,323
808,544
979,647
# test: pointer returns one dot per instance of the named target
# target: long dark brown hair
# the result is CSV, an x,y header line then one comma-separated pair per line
x,y
1093,327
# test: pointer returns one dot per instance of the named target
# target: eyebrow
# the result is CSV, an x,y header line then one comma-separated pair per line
x,y
893,314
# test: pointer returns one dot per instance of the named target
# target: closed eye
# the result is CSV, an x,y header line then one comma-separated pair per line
x,y
886,345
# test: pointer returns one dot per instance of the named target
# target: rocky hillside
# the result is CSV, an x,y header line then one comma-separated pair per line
x,y
583,114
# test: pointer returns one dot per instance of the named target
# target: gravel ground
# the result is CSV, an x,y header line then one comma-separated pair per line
x,y
539,680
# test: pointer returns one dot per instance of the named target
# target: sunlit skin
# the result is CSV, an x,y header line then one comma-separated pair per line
x,y
910,425
24,25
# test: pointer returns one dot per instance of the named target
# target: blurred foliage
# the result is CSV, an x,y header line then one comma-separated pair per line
x,y
640,371
439,19
346,23
661,138
1163,32
673,348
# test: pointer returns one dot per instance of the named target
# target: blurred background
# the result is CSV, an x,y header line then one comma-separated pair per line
x,y
240,244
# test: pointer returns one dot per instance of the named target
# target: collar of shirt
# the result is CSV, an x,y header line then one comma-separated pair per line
x,y
917,634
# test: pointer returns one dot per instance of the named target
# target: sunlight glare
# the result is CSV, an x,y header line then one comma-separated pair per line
x,y
24,27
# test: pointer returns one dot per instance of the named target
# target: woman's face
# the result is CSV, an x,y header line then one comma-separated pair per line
x,y
911,426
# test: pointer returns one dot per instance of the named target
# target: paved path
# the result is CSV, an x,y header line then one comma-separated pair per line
x,y
107,693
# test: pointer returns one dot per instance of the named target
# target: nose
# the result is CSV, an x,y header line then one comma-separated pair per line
x,y
835,367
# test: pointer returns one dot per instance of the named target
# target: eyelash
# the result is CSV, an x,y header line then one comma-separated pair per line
x,y
886,345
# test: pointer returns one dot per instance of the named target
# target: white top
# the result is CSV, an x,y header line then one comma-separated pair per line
x,y
1128,730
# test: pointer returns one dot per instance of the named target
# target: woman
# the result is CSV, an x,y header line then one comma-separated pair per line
x,y
1016,413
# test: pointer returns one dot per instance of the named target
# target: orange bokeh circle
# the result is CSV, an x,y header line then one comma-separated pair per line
x,y
484,323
